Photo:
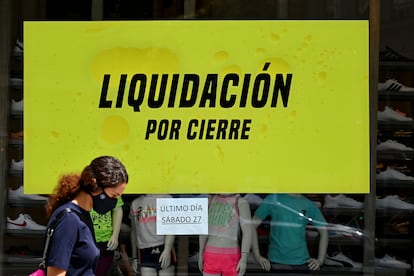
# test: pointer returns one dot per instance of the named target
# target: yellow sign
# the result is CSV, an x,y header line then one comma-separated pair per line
x,y
200,106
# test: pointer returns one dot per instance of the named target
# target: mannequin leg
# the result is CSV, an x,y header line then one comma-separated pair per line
x,y
169,271
125,265
148,271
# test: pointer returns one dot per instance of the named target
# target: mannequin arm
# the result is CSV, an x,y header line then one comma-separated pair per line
x,y
315,264
116,227
134,249
247,229
262,261
202,241
165,257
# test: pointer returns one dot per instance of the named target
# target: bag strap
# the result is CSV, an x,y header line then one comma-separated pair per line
x,y
51,230
88,221
49,233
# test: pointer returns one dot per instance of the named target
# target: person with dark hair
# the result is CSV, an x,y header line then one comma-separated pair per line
x,y
72,249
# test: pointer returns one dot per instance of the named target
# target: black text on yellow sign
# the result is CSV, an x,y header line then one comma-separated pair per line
x,y
191,92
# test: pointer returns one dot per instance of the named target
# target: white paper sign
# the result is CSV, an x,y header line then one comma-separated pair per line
x,y
182,216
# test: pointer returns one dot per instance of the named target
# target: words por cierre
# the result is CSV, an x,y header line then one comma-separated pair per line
x,y
187,91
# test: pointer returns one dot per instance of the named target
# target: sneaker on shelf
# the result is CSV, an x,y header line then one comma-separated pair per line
x,y
16,107
18,48
394,85
19,195
388,54
329,262
23,222
389,114
393,145
16,135
344,260
392,174
16,166
344,231
402,133
393,202
16,82
341,201
391,262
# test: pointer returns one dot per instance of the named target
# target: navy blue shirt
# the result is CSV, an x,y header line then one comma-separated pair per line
x,y
72,247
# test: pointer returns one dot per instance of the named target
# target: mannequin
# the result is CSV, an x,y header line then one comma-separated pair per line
x,y
289,214
156,252
219,251
107,227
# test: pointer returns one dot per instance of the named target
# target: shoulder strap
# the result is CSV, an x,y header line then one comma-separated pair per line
x,y
87,221
49,233
57,218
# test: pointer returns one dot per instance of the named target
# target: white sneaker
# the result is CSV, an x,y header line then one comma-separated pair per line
x,y
16,107
340,230
392,262
18,48
16,82
393,202
341,201
23,222
391,173
389,114
16,166
344,260
393,145
393,85
18,195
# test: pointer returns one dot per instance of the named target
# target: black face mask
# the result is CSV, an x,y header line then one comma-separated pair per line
x,y
102,203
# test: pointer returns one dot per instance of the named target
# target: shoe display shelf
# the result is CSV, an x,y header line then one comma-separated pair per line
x,y
395,217
21,232
345,217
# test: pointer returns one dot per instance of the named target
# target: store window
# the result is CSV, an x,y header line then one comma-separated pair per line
x,y
364,233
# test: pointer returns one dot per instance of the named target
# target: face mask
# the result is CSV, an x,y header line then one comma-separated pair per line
x,y
102,203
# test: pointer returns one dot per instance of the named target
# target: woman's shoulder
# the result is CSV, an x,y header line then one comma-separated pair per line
x,y
67,213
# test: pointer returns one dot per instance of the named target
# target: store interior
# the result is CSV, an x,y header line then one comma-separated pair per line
x,y
369,234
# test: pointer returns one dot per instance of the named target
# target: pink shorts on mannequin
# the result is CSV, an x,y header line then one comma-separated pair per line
x,y
221,260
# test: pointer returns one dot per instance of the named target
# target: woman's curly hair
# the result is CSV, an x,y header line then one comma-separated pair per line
x,y
108,171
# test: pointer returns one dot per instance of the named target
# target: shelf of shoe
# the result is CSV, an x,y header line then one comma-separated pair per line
x,y
394,184
395,155
26,233
26,203
339,240
386,212
17,144
395,95
256,270
394,242
396,65
11,259
333,270
16,116
15,173
342,211
395,125
379,271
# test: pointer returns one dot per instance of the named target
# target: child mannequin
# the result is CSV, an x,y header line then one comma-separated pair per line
x,y
107,227
219,251
155,252
290,213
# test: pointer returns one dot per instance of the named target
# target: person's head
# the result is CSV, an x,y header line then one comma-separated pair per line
x,y
104,179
